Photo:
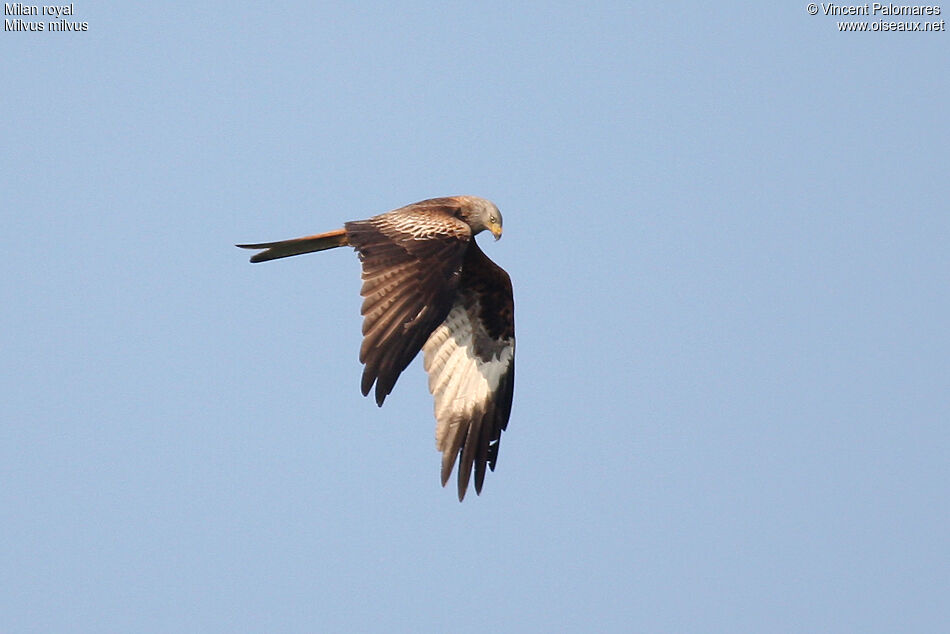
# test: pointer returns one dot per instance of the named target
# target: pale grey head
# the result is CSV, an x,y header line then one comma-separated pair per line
x,y
481,215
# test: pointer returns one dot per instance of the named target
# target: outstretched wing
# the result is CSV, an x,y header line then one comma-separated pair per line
x,y
470,359
412,259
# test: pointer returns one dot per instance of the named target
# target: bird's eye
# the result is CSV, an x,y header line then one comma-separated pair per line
x,y
493,220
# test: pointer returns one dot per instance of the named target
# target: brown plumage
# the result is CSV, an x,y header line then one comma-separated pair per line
x,y
427,286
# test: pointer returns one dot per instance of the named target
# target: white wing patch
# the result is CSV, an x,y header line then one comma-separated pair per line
x,y
462,384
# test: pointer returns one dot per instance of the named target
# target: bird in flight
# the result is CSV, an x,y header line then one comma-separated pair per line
x,y
427,286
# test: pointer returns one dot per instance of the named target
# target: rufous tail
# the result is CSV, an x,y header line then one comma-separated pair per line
x,y
297,246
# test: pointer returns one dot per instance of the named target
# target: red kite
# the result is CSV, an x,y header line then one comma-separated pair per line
x,y
427,286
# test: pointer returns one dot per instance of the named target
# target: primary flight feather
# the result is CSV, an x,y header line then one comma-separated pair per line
x,y
427,286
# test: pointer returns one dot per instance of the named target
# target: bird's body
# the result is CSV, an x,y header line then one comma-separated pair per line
x,y
427,286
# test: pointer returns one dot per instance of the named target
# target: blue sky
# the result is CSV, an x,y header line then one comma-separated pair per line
x,y
728,234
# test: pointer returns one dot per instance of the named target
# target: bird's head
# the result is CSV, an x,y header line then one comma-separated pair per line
x,y
481,215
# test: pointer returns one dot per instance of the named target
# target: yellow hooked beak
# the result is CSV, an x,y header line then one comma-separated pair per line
x,y
495,230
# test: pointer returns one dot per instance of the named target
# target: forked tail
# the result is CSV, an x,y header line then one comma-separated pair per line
x,y
297,246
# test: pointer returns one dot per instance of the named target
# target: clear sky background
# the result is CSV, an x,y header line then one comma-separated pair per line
x,y
727,227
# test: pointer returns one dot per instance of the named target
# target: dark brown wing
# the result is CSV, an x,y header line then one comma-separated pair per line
x,y
412,259
470,359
